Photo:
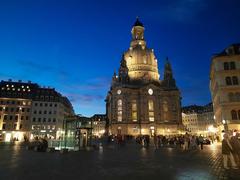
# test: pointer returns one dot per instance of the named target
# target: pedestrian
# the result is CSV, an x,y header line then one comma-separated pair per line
x,y
235,143
227,152
155,139
200,139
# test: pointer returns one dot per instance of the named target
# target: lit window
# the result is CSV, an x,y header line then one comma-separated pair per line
x,y
151,110
134,110
119,110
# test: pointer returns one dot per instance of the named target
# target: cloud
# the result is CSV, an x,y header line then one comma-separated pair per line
x,y
84,98
179,11
39,67
94,84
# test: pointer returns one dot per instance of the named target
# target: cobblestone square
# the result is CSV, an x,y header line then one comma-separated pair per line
x,y
128,162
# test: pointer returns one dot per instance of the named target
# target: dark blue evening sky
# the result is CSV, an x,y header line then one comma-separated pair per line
x,y
75,46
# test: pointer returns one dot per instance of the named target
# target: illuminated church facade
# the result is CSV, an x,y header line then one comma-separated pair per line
x,y
138,102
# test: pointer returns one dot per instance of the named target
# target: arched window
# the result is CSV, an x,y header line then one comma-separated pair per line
x,y
231,97
228,81
165,106
234,80
134,110
151,110
226,66
119,110
234,115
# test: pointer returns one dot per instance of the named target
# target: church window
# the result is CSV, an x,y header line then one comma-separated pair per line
x,y
134,110
165,106
119,110
151,110
150,91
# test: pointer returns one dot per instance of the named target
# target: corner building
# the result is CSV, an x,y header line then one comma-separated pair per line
x,y
139,103
225,88
28,110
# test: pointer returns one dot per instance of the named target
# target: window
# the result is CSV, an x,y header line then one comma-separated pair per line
x,y
231,97
226,66
10,117
45,112
36,104
54,120
20,127
34,119
26,117
1,108
15,126
40,104
40,112
39,119
23,109
237,96
235,80
228,81
35,112
49,119
50,105
44,119
22,117
119,110
50,112
151,110
134,110
46,104
239,114
16,118
4,126
55,105
234,115
232,65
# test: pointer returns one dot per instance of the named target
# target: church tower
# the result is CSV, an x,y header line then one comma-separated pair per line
x,y
139,102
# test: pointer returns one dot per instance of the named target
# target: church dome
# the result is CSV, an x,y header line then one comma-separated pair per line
x,y
141,61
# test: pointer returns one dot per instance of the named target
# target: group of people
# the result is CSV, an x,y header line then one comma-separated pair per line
x,y
186,142
231,150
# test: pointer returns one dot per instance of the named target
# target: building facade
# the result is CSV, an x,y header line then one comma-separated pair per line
x,y
28,110
138,102
225,88
99,124
199,119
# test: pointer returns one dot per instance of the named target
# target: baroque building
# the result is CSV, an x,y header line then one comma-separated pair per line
x,y
225,88
139,103
28,110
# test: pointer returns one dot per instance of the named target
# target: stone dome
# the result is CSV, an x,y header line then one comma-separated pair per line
x,y
141,61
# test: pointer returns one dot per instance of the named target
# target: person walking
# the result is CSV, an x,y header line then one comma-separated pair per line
x,y
235,143
155,139
200,139
227,152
